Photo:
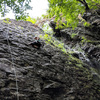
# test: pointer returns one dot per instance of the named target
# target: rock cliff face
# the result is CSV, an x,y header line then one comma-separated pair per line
x,y
84,40
27,73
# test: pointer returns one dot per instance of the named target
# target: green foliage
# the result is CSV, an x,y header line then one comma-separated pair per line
x,y
86,24
69,9
21,17
32,20
6,21
74,60
85,40
73,35
18,6
49,39
79,65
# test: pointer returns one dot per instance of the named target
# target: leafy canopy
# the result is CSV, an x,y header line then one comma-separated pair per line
x,y
18,6
70,9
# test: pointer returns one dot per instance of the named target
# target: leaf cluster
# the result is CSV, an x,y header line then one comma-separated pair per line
x,y
32,20
70,9
17,6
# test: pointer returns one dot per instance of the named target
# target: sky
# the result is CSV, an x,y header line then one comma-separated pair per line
x,y
39,8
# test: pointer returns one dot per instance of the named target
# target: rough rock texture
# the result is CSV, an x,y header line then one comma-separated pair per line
x,y
44,74
84,40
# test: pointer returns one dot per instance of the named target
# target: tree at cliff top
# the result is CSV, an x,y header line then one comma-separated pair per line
x,y
18,6
70,9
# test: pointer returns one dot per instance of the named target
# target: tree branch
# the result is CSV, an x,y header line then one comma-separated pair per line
x,y
85,4
81,1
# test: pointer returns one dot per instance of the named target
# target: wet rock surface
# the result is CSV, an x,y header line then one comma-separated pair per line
x,y
40,74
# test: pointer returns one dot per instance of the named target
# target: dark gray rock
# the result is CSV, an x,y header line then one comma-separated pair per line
x,y
84,41
40,74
